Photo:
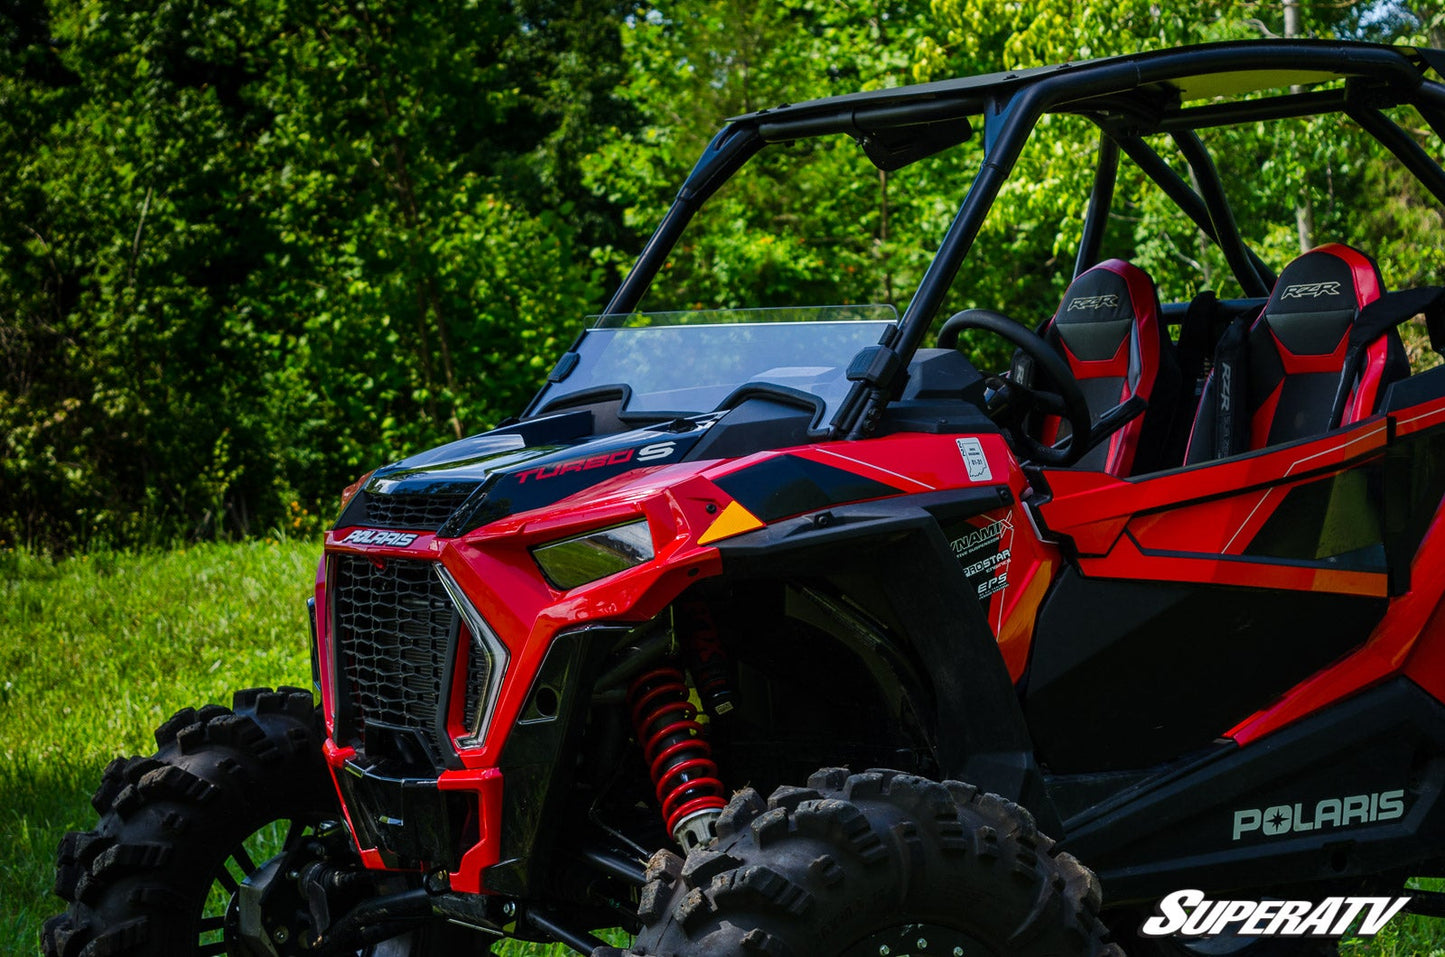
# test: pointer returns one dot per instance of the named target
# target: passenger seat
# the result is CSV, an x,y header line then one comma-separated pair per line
x,y
1278,381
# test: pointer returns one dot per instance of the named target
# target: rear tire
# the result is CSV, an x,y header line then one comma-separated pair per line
x,y
867,864
179,830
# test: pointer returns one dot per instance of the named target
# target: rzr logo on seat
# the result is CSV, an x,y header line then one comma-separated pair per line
x,y
1093,302
375,536
1311,290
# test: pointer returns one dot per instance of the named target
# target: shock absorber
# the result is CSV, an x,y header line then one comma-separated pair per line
x,y
698,634
679,758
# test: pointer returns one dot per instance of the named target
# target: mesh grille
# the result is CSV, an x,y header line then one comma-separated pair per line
x,y
393,626
412,510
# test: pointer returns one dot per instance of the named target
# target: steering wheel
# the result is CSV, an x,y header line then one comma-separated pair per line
x,y
1008,402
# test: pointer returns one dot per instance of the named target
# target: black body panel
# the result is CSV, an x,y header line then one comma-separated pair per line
x,y
1130,674
1414,483
536,775
410,821
1195,826
898,545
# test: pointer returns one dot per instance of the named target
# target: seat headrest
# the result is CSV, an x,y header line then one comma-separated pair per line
x,y
1317,296
1101,305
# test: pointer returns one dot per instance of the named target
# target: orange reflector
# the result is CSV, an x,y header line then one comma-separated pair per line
x,y
734,520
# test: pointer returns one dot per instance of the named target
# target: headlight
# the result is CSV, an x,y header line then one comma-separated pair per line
x,y
487,661
586,558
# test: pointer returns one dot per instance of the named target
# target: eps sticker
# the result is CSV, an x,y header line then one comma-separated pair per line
x,y
974,460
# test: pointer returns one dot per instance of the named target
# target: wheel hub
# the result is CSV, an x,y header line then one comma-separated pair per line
x,y
918,940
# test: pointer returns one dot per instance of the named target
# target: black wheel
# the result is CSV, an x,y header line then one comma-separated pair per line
x,y
181,831
1225,945
863,865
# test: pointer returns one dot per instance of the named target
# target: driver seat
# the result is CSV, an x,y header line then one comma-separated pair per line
x,y
1110,331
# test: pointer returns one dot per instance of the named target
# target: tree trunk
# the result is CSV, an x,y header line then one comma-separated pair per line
x,y
1304,214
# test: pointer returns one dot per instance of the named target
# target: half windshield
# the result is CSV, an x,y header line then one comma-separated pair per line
x,y
689,363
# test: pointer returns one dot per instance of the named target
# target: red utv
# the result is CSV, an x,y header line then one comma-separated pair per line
x,y
1173,600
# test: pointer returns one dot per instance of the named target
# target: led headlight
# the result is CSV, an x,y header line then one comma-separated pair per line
x,y
487,660
586,558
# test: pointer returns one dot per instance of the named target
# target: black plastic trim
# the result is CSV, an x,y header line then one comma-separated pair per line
x,y
899,543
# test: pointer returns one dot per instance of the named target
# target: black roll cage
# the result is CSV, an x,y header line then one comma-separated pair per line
x,y
1127,98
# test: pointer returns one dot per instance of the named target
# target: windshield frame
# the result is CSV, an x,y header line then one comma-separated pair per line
x,y
1125,97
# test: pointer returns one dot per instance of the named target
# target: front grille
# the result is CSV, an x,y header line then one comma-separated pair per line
x,y
411,510
396,635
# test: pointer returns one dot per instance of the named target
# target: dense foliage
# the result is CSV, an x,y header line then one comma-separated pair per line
x,y
248,251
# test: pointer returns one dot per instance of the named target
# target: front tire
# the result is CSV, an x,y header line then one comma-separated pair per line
x,y
155,876
867,864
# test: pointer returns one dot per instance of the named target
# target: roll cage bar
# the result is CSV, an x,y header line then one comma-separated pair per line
x,y
1127,98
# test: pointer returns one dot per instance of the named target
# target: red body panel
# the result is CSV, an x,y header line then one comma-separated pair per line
x,y
1186,525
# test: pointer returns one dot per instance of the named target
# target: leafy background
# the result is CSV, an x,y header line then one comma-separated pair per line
x,y
249,251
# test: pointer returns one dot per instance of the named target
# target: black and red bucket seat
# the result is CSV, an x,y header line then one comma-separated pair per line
x,y
1307,364
1110,330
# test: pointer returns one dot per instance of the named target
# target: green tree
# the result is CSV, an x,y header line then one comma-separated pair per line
x,y
250,250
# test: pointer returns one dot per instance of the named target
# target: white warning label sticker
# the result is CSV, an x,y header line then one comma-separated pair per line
x,y
974,460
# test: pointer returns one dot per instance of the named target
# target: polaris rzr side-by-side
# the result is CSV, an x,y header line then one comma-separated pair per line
x,y
1151,611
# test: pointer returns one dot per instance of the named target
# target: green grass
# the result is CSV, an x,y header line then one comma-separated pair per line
x,y
97,650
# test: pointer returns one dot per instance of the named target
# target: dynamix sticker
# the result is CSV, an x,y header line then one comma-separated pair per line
x,y
974,460
1331,917
1330,812
984,554
375,536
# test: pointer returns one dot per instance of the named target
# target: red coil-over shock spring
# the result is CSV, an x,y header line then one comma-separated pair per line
x,y
678,758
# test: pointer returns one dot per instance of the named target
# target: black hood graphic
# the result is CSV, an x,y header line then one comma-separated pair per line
x,y
463,485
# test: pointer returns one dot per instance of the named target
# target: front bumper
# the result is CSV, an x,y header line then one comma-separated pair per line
x,y
451,822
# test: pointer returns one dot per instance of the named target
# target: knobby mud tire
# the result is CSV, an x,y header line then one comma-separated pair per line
x,y
863,864
137,884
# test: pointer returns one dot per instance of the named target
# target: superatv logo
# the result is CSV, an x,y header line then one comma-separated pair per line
x,y
375,536
1284,819
648,453
1092,302
1331,917
1311,290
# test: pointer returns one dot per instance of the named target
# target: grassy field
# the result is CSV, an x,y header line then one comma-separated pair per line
x,y
95,651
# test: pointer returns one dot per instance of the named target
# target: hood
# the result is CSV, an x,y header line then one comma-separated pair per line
x,y
465,484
